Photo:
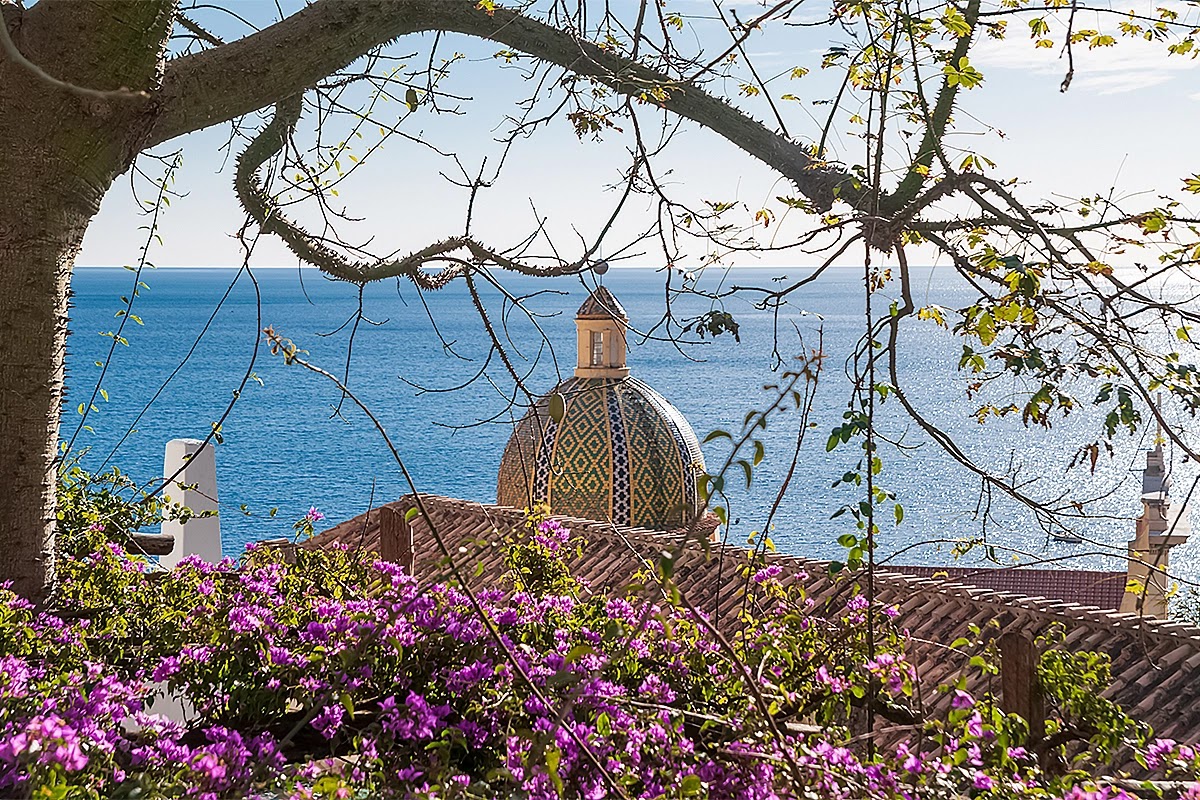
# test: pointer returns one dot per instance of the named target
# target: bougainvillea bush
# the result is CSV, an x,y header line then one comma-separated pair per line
x,y
305,673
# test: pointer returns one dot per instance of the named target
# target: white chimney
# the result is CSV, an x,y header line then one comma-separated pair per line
x,y
196,488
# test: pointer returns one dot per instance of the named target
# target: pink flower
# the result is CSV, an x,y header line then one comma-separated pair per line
x,y
962,699
657,688
836,685
313,515
329,720
552,535
767,573
1158,749
166,669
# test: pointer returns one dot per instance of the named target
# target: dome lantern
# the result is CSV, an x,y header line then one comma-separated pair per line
x,y
600,326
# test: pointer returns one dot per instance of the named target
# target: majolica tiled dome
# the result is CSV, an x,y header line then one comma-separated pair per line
x,y
619,452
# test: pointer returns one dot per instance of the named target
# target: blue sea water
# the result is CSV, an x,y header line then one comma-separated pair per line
x,y
291,442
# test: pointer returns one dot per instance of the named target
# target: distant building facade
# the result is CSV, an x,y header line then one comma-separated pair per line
x,y
1160,527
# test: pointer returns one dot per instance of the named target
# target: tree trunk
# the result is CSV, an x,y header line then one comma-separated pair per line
x,y
39,238
61,152
47,200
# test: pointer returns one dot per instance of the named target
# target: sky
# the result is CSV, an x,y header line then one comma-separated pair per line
x,y
1126,124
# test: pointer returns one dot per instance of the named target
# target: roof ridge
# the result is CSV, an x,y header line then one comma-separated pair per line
x,y
1045,608
1092,616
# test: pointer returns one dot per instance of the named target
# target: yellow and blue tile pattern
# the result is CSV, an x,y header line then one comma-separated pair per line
x,y
621,453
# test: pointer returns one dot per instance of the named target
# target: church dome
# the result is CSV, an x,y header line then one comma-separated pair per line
x,y
603,445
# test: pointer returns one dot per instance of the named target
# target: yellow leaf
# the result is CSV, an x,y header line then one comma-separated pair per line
x,y
932,313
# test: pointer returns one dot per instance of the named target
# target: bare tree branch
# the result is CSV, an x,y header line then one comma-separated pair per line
x,y
243,76
263,209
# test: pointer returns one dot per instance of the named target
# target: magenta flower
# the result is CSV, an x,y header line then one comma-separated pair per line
x,y
767,573
857,603
655,687
313,515
552,534
166,669
329,721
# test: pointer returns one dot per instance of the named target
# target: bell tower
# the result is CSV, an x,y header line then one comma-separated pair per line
x,y
1163,525
600,329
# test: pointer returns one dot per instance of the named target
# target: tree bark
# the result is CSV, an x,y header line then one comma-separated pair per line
x,y
42,224
61,152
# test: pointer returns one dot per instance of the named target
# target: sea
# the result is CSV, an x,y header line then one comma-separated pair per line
x,y
191,356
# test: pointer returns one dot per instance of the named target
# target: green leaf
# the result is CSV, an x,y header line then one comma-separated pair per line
x,y
553,756
954,22
412,514
667,562
1152,222
963,75
985,327
577,652
326,785
557,407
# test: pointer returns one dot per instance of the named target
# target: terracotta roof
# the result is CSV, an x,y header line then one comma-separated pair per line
x,y
1085,587
601,304
1155,664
